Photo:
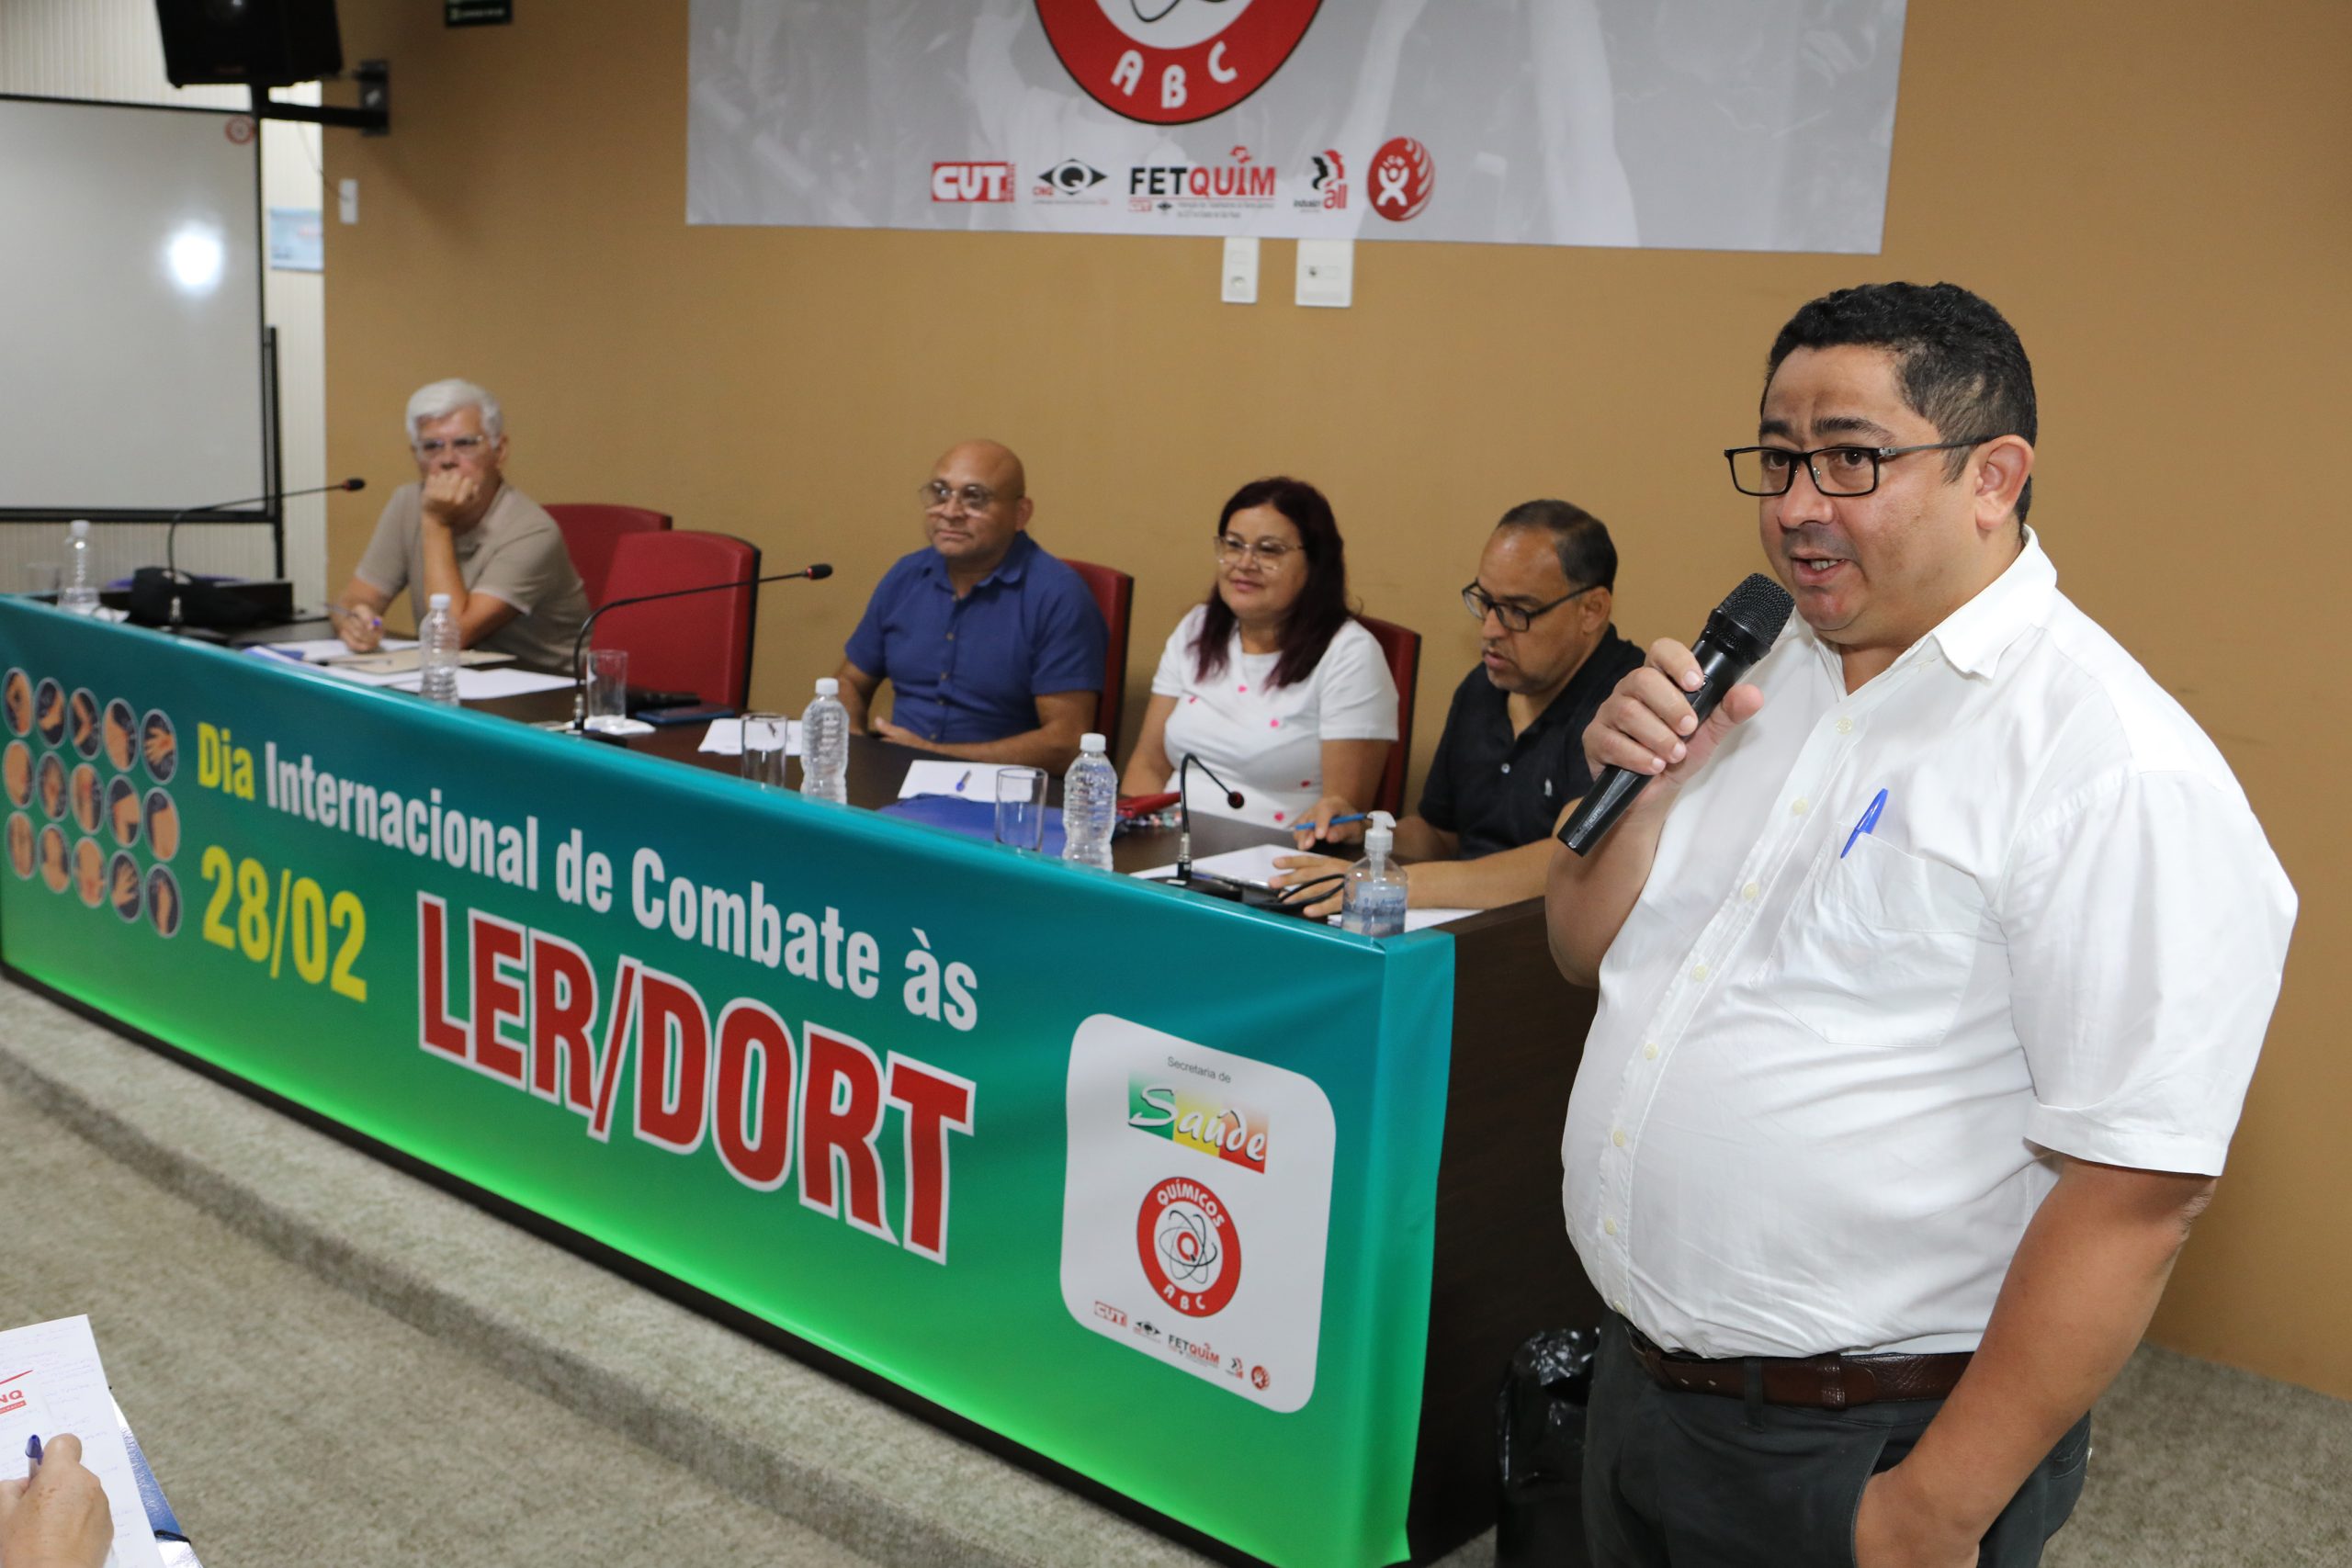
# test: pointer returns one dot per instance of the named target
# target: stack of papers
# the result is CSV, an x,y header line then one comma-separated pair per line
x,y
480,678
51,1381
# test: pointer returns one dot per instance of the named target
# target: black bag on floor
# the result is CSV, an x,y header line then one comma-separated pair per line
x,y
1540,1419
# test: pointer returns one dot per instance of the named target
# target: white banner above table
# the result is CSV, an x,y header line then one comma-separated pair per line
x,y
1760,125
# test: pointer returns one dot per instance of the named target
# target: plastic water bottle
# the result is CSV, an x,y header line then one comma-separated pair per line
x,y
79,594
825,745
438,639
1373,902
1090,805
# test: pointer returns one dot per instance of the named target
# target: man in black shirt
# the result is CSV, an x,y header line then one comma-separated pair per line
x,y
1510,762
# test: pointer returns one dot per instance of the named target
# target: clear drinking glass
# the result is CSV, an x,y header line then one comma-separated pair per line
x,y
43,579
766,742
607,688
1021,807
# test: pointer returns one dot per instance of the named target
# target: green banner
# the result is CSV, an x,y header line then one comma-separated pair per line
x,y
1143,1182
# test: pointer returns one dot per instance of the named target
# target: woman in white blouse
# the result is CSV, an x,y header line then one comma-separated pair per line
x,y
1271,682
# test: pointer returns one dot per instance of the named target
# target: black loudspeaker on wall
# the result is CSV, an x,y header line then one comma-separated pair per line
x,y
258,43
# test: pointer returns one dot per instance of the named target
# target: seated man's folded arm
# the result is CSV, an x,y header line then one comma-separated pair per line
x,y
1062,717
857,689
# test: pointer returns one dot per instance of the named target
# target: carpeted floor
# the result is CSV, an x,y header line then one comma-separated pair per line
x,y
2195,1465
294,1422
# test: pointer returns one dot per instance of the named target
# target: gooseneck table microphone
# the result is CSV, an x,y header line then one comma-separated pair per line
x,y
1183,877
157,592
1216,886
1741,631
816,573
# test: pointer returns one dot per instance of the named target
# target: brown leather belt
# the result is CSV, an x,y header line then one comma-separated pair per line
x,y
1823,1382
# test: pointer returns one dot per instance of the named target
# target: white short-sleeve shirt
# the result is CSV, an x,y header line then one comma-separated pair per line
x,y
1898,946
1268,743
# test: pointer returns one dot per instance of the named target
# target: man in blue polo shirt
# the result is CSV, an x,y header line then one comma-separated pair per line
x,y
993,646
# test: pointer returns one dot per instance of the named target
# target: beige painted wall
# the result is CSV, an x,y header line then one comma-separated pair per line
x,y
2164,208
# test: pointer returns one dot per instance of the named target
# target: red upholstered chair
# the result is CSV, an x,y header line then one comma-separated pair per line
x,y
1115,590
590,529
1404,650
701,643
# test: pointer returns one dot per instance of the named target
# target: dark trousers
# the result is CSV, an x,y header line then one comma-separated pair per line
x,y
1701,1480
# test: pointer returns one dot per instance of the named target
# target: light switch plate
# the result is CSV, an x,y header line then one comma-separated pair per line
x,y
1327,271
346,200
1240,283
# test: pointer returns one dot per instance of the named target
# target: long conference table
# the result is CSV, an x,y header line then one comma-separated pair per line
x,y
1226,1218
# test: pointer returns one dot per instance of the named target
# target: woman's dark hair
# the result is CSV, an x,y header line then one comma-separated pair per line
x,y
1321,608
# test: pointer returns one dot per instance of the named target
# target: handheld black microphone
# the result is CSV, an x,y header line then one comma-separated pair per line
x,y
816,573
1741,631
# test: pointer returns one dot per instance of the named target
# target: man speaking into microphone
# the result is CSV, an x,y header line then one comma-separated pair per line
x,y
1933,965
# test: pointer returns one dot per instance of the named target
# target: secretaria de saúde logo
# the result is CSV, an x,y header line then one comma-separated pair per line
x,y
1173,62
1218,1126
1190,1246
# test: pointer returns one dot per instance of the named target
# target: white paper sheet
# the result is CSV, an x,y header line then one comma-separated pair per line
x,y
359,678
473,685
1255,864
724,737
972,780
311,651
479,685
51,1381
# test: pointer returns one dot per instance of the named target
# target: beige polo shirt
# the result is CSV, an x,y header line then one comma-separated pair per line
x,y
515,553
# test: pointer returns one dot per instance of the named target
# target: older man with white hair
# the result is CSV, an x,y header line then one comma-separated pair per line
x,y
463,531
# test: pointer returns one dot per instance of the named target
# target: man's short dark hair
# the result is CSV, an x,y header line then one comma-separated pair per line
x,y
1958,361
1587,555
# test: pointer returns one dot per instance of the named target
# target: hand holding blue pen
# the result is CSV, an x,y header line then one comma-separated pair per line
x,y
58,1513
1305,831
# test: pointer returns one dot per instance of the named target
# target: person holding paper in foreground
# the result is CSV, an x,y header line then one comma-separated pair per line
x,y
1933,966
55,1517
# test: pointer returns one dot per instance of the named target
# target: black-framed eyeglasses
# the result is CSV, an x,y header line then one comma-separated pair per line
x,y
1836,470
938,494
1514,617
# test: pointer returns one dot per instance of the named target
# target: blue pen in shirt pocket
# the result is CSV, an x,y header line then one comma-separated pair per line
x,y
1868,822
